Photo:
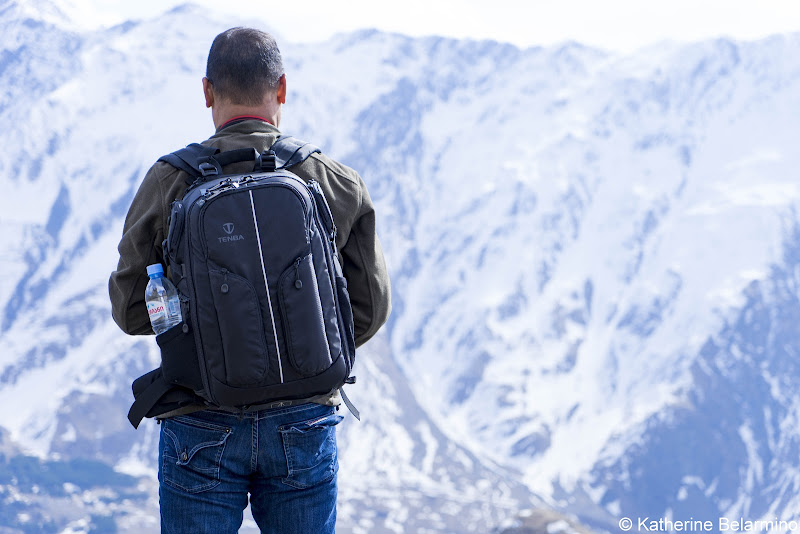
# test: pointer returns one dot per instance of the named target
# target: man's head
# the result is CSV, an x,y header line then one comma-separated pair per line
x,y
244,71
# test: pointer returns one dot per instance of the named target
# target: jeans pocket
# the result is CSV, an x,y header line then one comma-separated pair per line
x,y
310,448
192,453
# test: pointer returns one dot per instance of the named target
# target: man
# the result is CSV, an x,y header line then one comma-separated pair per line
x,y
283,458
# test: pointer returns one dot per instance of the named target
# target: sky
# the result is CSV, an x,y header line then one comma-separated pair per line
x,y
616,25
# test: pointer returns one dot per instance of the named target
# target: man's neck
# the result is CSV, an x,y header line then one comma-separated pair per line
x,y
226,113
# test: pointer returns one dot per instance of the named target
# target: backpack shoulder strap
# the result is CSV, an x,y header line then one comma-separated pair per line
x,y
189,159
290,151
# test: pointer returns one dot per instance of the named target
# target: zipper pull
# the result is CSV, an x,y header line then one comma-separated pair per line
x,y
297,282
224,286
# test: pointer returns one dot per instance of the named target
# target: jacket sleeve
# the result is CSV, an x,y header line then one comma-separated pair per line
x,y
139,247
365,270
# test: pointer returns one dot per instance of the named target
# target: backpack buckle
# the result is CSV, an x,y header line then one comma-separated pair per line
x,y
207,169
266,162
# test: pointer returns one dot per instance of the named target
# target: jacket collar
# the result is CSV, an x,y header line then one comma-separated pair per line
x,y
251,121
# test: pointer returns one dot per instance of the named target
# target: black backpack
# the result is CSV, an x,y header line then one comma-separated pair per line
x,y
266,313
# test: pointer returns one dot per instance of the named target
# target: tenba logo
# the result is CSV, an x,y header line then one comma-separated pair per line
x,y
228,229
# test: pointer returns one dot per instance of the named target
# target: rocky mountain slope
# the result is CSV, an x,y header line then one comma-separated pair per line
x,y
594,262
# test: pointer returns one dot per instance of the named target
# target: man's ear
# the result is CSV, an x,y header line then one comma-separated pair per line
x,y
208,91
282,89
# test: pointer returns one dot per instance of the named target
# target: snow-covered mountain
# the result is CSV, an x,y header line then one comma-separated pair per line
x,y
595,263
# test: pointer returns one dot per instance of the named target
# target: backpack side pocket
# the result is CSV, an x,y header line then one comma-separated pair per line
x,y
179,363
346,310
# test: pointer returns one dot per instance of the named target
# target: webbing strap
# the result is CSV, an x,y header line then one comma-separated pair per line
x,y
286,403
195,158
235,156
290,151
150,396
189,159
147,399
350,405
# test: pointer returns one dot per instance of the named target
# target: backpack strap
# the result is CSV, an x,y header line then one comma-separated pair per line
x,y
148,390
350,405
290,151
189,159
199,161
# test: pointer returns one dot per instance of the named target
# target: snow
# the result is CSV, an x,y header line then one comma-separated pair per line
x,y
565,229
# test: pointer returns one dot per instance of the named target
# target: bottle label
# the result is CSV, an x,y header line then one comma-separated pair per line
x,y
156,311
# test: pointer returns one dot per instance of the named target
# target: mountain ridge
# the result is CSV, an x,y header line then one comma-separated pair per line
x,y
586,250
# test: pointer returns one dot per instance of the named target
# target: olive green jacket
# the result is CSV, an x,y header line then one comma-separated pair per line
x,y
146,226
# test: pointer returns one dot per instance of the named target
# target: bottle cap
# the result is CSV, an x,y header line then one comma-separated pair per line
x,y
156,268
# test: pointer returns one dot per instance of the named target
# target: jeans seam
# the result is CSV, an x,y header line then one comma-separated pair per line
x,y
201,424
286,451
293,409
254,446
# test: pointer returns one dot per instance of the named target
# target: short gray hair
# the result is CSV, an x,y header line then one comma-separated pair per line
x,y
244,64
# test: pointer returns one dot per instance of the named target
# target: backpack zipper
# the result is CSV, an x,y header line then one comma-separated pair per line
x,y
329,247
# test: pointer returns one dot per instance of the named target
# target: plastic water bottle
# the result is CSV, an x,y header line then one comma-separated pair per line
x,y
163,303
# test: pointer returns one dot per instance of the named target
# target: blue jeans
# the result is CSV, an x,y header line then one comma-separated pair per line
x,y
284,458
